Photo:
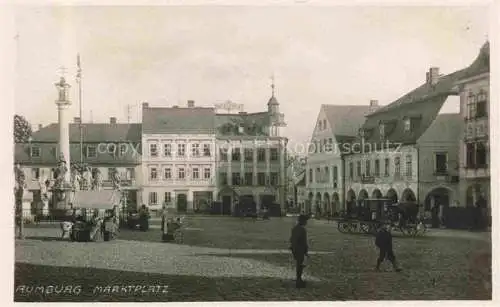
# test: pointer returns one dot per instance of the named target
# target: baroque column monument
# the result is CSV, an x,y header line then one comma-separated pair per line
x,y
63,188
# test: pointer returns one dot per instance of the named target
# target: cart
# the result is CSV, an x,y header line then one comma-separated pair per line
x,y
370,214
95,216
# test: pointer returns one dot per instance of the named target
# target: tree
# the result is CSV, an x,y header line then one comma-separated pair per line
x,y
22,129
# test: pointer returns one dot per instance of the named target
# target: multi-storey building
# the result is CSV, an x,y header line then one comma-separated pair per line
x,y
408,151
325,168
107,147
179,158
474,146
250,163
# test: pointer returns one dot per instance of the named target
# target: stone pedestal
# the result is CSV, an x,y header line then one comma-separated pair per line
x,y
62,198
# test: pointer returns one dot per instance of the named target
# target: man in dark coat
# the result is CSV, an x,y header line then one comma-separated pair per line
x,y
383,241
299,247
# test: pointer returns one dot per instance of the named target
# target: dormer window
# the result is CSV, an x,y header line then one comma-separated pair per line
x,y
407,124
319,125
381,128
362,132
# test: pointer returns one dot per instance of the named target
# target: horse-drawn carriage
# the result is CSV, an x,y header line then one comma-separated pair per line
x,y
370,214
96,215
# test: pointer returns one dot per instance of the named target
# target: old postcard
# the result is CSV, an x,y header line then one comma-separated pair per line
x,y
210,153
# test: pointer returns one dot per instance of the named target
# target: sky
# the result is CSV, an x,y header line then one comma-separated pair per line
x,y
168,55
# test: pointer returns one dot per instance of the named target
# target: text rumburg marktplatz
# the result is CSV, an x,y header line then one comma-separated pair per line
x,y
96,290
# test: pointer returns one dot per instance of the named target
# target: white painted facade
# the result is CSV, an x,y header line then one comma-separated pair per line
x,y
177,166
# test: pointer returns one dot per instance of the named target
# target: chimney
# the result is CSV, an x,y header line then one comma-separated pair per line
x,y
373,105
77,120
433,75
145,104
112,120
190,103
427,77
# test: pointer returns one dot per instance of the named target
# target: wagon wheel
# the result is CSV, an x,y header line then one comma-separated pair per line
x,y
409,230
343,226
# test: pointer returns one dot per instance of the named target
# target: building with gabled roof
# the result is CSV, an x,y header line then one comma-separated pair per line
x,y
405,153
179,159
335,125
107,147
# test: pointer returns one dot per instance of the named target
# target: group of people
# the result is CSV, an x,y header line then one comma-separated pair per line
x,y
300,248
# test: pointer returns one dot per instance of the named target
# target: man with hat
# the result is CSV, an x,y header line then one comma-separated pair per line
x,y
299,247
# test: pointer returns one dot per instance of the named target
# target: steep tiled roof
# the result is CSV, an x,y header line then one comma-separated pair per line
x,y
49,156
445,128
422,105
91,133
345,119
178,120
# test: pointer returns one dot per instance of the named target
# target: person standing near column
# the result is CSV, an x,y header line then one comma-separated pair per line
x,y
299,248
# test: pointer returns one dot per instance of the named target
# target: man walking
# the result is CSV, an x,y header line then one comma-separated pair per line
x,y
299,247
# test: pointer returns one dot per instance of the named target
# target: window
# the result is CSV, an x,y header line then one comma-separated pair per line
x,y
274,154
381,129
310,175
153,150
223,178
471,106
368,169
223,154
167,150
471,155
358,169
351,170
206,150
167,173
387,167
167,197
181,173
327,174
397,166
481,155
441,163
335,174
35,151
181,150
91,152
377,168
320,125
318,175
407,123
35,173
248,155
236,154
207,173
195,150
261,179
236,179
248,178
123,149
274,179
153,198
196,173
409,166
153,173
130,173
261,155
324,124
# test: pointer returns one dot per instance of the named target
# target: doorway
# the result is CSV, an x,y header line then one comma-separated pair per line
x,y
181,202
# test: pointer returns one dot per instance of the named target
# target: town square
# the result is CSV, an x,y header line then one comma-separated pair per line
x,y
151,166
